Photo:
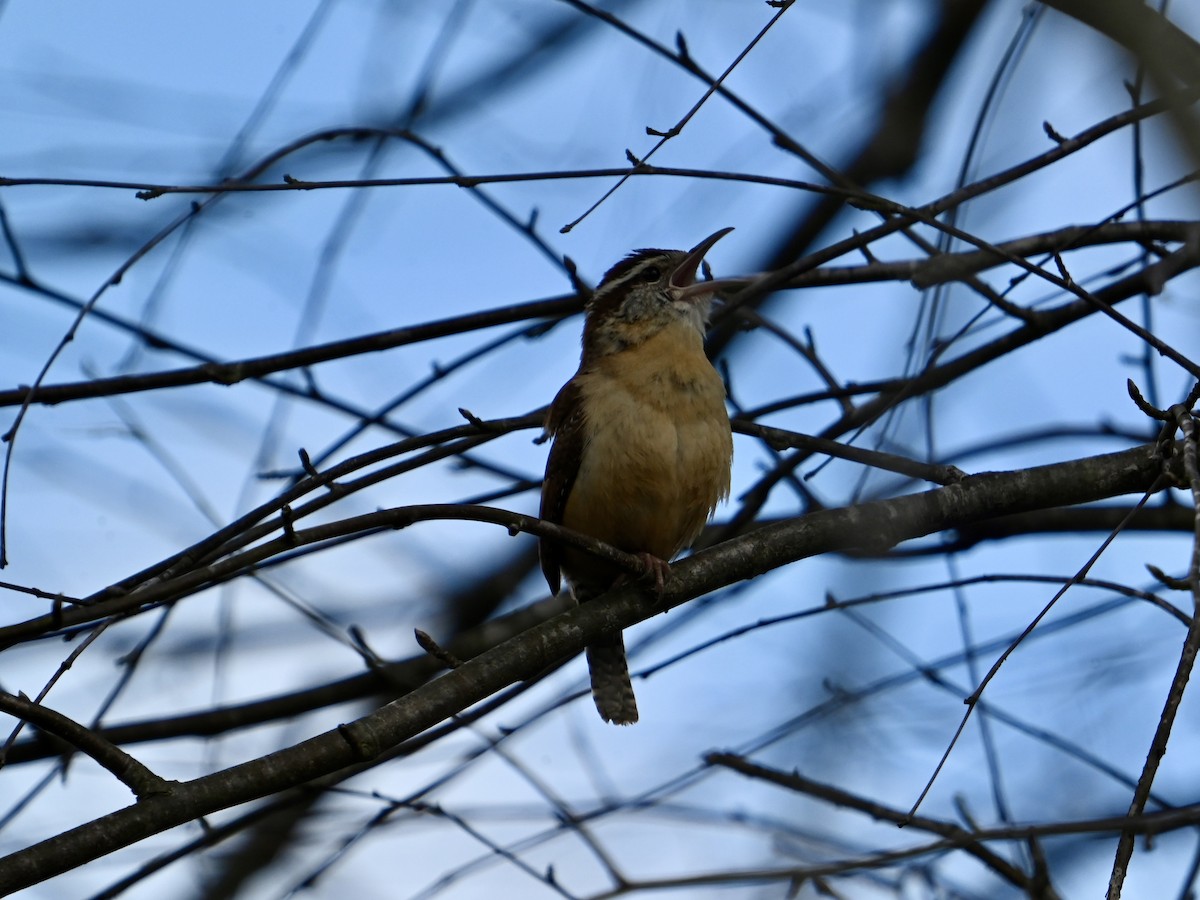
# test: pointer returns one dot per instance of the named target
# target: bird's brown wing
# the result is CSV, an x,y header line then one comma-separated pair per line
x,y
565,423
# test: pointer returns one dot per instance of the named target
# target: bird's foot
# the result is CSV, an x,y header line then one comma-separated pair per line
x,y
654,570
657,569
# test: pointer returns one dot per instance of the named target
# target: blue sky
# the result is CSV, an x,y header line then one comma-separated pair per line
x,y
163,94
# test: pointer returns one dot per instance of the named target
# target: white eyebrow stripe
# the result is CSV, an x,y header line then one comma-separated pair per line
x,y
660,258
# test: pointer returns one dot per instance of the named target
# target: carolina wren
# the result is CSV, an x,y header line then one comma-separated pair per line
x,y
642,444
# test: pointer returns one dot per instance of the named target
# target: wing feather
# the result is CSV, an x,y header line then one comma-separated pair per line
x,y
565,422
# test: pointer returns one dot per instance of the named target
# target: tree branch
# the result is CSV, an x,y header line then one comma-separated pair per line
x,y
876,524
127,770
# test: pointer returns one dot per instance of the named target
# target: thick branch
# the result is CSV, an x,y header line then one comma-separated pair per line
x,y
1146,33
881,523
390,680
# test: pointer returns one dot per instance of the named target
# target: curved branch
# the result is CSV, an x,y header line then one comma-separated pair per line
x,y
127,770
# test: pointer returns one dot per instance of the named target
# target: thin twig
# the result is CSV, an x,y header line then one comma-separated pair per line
x,y
1183,670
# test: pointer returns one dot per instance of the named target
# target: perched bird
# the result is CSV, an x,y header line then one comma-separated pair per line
x,y
642,444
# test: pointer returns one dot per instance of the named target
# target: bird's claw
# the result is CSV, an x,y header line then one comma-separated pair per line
x,y
657,569
653,569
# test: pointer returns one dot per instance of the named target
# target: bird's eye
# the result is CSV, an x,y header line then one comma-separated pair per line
x,y
651,274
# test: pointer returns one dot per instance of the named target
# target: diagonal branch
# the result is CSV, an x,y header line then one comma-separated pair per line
x,y
880,523
969,842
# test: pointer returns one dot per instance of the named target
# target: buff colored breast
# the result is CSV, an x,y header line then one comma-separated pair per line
x,y
657,449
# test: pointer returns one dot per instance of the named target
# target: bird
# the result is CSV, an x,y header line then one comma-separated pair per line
x,y
642,447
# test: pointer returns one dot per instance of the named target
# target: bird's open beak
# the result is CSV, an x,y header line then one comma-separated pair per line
x,y
683,280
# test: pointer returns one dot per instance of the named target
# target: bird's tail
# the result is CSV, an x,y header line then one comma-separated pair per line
x,y
611,688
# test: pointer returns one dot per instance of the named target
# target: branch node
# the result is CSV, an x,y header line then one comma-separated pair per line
x,y
434,649
964,812
359,739
1052,134
1062,269
473,419
1136,396
1175,584
289,523
681,47
577,284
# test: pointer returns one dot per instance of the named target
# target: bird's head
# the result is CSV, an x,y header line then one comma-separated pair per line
x,y
647,291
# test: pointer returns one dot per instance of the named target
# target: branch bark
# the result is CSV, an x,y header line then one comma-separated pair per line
x,y
870,525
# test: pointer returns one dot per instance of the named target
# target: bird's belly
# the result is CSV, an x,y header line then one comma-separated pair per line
x,y
651,472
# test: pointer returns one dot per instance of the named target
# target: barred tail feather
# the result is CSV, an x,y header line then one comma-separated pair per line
x,y
611,688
